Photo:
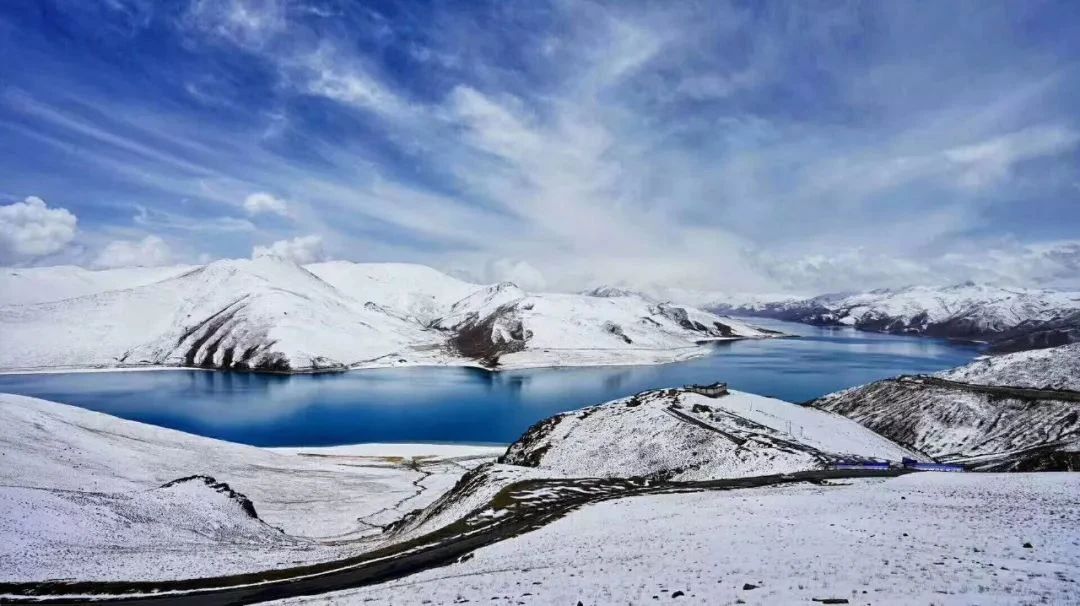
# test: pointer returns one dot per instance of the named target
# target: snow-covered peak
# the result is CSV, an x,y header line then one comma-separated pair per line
x,y
614,291
481,303
729,300
409,289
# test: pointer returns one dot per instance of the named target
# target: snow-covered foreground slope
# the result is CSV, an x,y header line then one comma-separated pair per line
x,y
679,434
965,311
88,496
273,315
83,495
946,539
993,413
670,434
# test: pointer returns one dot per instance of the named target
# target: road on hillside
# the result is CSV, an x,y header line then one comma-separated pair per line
x,y
517,509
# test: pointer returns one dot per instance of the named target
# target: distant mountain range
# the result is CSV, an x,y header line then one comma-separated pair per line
x,y
1010,319
270,314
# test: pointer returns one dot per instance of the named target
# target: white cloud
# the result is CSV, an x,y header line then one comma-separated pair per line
x,y
1052,264
350,86
624,145
31,229
716,86
246,23
302,249
151,251
989,162
262,202
159,219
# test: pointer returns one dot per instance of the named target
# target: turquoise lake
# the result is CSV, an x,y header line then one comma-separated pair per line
x,y
469,405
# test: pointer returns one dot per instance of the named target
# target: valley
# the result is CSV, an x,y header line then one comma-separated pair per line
x,y
649,456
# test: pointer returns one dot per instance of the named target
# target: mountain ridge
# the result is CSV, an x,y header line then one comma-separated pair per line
x,y
1010,319
270,314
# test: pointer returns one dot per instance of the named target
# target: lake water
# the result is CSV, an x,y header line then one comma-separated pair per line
x,y
469,405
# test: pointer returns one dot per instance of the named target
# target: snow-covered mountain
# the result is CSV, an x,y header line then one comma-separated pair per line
x,y
273,315
964,311
1019,411
615,291
504,325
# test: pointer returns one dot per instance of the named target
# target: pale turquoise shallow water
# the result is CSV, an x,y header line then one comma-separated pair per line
x,y
468,405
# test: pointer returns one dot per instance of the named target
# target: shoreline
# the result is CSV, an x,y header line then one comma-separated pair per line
x,y
697,351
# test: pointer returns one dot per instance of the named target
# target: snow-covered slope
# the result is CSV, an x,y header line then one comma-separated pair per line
x,y
273,315
38,284
1037,334
681,434
87,495
964,311
266,313
1054,368
985,414
418,291
945,539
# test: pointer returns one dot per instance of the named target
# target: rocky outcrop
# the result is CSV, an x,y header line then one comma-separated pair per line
x,y
485,339
241,500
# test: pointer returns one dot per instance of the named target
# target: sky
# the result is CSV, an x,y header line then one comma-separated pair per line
x,y
800,147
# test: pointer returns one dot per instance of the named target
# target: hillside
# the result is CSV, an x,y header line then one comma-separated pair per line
x,y
417,291
1037,334
1055,368
946,538
90,496
19,286
681,434
269,314
263,314
993,414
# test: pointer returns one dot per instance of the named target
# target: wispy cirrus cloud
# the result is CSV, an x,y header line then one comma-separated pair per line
x,y
571,144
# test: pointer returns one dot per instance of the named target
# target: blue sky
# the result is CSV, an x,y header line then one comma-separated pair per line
x,y
735,146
